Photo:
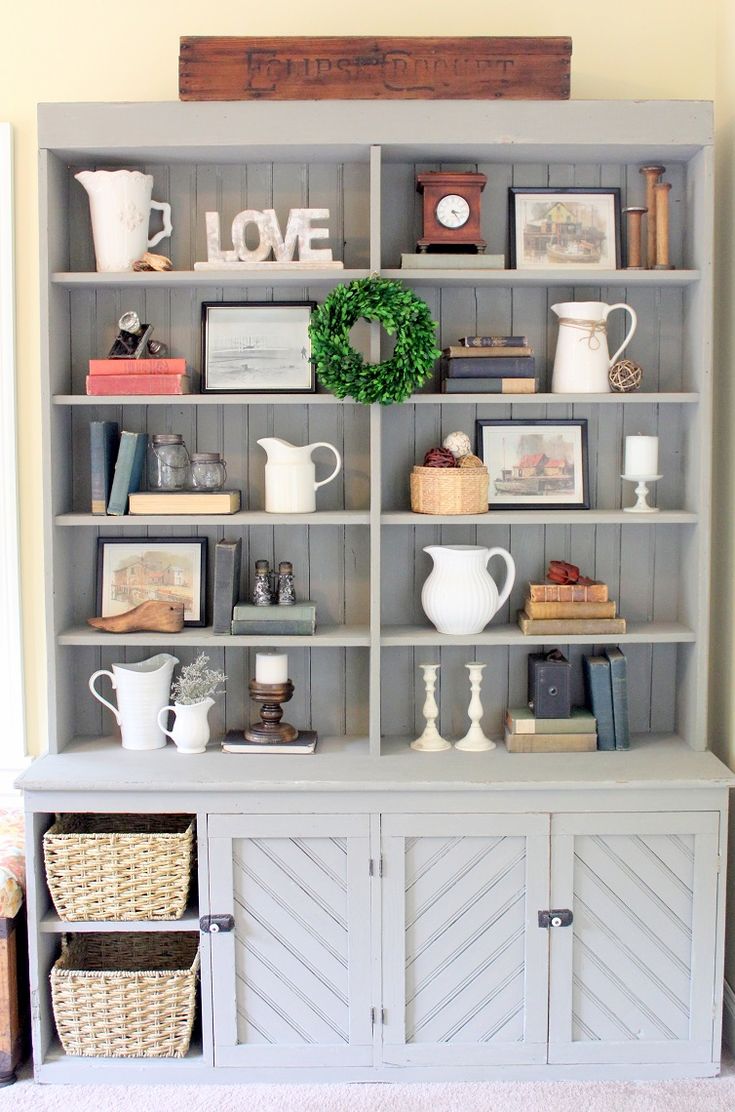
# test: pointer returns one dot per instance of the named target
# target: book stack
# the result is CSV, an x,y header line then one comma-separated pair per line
x,y
525,733
296,620
489,365
606,683
137,376
569,608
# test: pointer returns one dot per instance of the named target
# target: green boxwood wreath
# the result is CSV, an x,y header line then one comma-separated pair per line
x,y
344,371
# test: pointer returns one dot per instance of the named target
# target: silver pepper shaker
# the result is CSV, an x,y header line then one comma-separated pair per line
x,y
262,593
286,589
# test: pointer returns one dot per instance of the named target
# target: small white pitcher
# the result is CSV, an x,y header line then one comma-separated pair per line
x,y
582,359
191,728
120,206
142,689
290,476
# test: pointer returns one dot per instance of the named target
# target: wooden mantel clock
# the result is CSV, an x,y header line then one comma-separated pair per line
x,y
451,210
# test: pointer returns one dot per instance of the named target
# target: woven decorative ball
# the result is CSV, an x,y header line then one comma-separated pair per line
x,y
470,461
625,376
439,457
458,443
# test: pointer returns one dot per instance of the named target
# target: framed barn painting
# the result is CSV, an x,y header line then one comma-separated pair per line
x,y
535,465
169,569
550,229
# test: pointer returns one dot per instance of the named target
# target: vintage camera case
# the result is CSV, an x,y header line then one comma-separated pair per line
x,y
549,685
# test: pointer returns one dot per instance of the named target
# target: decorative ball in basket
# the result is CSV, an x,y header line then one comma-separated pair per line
x,y
451,480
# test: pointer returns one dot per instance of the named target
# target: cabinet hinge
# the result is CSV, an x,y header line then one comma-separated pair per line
x,y
376,867
377,1015
34,1004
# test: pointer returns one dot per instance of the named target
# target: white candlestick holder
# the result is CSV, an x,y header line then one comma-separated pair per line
x,y
475,741
641,506
431,740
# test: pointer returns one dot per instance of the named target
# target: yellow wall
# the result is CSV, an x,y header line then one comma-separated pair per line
x,y
77,50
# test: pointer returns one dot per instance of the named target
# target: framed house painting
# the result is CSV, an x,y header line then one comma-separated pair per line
x,y
550,229
166,569
535,464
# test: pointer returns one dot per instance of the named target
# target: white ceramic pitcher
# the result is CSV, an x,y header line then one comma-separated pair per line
x,y
191,728
460,595
582,359
290,476
142,690
120,205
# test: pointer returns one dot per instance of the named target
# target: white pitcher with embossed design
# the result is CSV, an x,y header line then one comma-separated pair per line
x,y
460,596
120,206
582,359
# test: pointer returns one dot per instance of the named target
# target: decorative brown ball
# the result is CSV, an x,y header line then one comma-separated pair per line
x,y
625,376
470,461
439,457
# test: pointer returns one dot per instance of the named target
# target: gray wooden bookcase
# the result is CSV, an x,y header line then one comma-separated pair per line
x,y
386,902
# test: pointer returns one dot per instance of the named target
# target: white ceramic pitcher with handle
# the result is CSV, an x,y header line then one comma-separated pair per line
x,y
120,206
460,596
142,690
290,475
582,359
190,732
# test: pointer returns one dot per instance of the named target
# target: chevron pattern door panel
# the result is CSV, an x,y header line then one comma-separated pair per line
x,y
292,979
633,979
464,962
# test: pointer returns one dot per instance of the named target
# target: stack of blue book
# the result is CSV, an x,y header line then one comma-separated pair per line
x,y
489,365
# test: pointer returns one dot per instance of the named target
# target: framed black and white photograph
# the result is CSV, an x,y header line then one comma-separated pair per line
x,y
257,347
166,569
553,228
535,465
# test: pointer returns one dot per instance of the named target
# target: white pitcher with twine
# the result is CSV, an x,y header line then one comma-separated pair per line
x,y
582,359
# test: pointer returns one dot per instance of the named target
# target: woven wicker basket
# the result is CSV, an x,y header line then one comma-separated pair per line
x,y
449,490
113,867
126,995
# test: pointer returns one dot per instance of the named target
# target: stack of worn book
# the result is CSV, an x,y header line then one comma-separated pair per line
x,y
525,733
489,365
108,377
567,608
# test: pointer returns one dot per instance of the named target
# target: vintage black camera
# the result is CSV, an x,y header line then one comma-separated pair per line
x,y
549,685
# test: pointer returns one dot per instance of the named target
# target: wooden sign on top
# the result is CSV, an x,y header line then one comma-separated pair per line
x,y
355,68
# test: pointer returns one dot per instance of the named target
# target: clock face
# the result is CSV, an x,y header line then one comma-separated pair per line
x,y
452,211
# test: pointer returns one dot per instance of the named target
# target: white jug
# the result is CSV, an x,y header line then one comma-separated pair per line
x,y
582,359
460,595
290,476
142,689
120,205
191,728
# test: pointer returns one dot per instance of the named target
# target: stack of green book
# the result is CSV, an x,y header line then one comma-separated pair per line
x,y
278,620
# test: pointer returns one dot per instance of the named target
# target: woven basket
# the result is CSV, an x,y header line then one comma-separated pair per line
x,y
449,490
126,995
112,867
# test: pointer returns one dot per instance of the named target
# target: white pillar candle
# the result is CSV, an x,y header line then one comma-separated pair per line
x,y
641,455
271,667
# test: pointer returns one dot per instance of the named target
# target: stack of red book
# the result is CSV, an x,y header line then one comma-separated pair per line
x,y
137,376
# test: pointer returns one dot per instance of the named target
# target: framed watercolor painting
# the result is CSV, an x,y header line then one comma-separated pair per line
x,y
535,465
550,229
166,569
257,347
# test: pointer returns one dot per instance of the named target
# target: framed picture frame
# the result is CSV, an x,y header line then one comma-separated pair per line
x,y
550,229
257,347
131,570
535,464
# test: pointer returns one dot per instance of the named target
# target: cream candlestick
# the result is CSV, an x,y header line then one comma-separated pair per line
x,y
431,740
271,667
475,741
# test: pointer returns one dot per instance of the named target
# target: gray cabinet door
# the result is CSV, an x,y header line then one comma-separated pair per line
x,y
465,965
632,980
291,981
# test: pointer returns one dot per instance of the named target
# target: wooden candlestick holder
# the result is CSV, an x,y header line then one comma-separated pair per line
x,y
270,729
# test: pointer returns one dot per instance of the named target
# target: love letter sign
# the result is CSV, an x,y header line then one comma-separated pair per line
x,y
271,241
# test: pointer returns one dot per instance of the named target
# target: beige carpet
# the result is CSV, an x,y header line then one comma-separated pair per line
x,y
717,1095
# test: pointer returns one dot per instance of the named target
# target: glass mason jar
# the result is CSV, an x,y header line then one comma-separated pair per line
x,y
208,471
168,462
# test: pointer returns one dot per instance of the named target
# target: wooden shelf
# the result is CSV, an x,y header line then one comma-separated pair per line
x,y
241,519
50,923
202,399
222,279
202,637
644,398
639,633
545,278
540,517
